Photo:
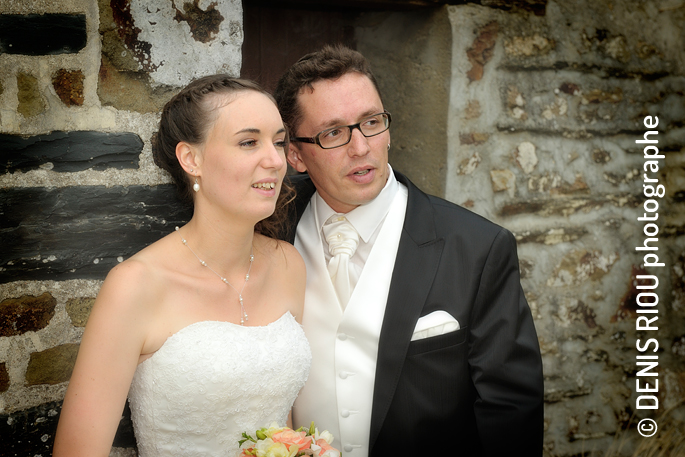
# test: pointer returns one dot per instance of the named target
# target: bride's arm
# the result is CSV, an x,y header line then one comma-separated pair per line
x,y
107,359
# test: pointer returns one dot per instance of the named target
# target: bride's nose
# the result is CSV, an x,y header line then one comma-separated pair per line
x,y
274,157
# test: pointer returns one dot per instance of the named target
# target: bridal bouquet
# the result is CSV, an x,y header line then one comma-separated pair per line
x,y
275,441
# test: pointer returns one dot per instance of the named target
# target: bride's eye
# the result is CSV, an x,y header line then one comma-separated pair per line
x,y
248,143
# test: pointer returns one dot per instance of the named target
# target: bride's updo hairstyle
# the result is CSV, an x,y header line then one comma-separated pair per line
x,y
188,117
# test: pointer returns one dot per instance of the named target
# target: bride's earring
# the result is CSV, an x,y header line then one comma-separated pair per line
x,y
388,146
196,186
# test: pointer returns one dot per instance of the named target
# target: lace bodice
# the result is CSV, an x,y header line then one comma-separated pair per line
x,y
211,381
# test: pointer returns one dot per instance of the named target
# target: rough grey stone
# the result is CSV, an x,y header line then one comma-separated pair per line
x,y
71,151
81,232
42,34
51,366
26,314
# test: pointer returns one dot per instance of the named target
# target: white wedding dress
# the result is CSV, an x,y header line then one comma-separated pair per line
x,y
211,381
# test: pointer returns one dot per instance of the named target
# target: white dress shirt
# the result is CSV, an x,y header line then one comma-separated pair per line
x,y
367,220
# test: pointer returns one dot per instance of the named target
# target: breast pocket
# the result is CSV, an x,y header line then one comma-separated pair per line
x,y
437,343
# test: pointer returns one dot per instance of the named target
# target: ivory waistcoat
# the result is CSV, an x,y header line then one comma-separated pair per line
x,y
339,391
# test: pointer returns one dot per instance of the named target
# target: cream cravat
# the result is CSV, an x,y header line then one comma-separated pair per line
x,y
342,240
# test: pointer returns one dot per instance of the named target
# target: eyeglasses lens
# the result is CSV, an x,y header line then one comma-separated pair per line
x,y
339,136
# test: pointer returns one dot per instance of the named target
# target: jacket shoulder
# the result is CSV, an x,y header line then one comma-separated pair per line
x,y
447,211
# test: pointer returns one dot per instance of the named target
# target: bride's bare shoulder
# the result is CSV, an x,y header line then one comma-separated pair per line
x,y
140,278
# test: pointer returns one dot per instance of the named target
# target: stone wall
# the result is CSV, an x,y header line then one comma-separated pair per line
x,y
81,86
545,111
524,111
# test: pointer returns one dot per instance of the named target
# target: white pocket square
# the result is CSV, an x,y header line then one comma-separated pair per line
x,y
434,324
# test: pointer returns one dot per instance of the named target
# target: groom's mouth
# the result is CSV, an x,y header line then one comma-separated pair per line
x,y
362,175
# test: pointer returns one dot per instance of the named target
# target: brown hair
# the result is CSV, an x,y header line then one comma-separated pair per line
x,y
188,117
331,62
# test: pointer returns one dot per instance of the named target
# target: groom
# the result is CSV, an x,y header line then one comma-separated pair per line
x,y
422,340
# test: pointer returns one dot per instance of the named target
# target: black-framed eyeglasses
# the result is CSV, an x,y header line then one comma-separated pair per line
x,y
341,135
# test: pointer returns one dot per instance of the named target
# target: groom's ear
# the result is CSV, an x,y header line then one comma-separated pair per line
x,y
295,158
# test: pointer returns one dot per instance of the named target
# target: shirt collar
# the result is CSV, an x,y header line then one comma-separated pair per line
x,y
365,218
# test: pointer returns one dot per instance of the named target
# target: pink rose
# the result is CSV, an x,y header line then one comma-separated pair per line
x,y
290,437
324,446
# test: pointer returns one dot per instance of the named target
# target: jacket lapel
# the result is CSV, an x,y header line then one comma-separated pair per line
x,y
416,265
304,190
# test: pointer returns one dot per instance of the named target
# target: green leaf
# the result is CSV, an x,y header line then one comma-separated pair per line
x,y
246,437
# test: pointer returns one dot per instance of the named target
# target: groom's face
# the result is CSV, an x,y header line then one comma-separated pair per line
x,y
352,174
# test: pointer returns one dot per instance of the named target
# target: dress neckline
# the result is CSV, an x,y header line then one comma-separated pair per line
x,y
228,323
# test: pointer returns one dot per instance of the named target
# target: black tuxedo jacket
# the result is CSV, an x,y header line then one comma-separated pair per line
x,y
474,392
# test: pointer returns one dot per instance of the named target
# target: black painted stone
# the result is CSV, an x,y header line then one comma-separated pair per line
x,y
70,151
80,226
45,34
31,432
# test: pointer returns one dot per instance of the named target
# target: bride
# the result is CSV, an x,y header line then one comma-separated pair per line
x,y
201,326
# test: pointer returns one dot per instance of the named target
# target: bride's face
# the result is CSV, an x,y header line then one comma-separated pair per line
x,y
242,162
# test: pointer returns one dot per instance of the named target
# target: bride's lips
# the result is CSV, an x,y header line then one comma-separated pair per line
x,y
362,175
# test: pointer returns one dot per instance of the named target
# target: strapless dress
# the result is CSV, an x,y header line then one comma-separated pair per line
x,y
211,381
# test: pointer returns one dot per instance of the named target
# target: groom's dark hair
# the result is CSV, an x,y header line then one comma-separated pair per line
x,y
331,62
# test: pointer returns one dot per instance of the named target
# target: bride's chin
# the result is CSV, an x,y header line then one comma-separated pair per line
x,y
266,213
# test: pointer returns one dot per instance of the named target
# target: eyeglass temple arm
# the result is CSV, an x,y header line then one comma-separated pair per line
x,y
303,140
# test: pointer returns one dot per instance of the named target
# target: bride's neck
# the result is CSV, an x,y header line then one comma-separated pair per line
x,y
222,245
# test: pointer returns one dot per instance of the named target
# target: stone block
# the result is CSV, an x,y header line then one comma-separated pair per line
x,y
570,88
580,266
526,157
551,236
469,165
601,156
71,151
130,90
527,46
4,378
565,206
42,34
542,101
576,311
31,101
601,96
69,86
503,180
52,366
26,314
30,432
79,310
172,43
81,232
473,110
537,7
473,138
481,50
617,179
604,42
678,346
627,307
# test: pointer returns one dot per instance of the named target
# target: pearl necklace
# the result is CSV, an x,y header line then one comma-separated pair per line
x,y
243,317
